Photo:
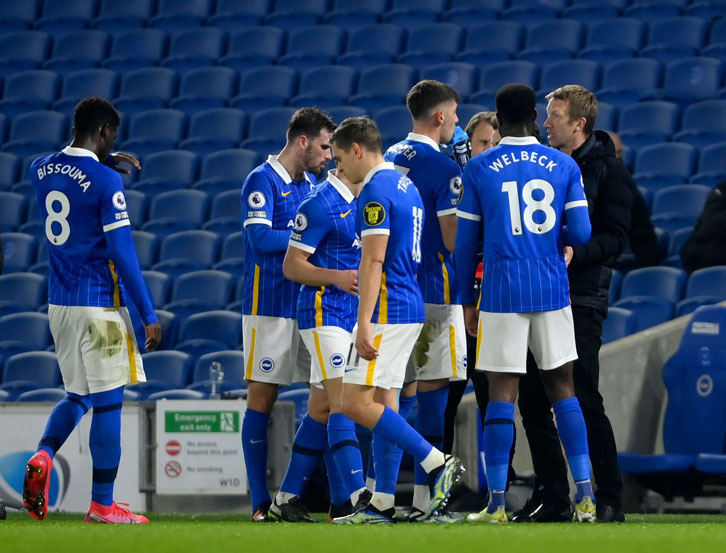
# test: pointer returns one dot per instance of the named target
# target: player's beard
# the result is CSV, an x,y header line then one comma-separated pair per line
x,y
308,162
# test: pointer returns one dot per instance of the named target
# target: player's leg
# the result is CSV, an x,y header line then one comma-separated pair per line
x,y
553,345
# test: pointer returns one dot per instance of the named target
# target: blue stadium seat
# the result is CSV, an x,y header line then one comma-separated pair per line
x,y
340,113
675,38
492,41
299,397
176,394
163,171
671,222
146,89
147,246
29,371
18,249
373,45
616,283
27,328
211,286
394,123
254,47
383,86
607,117
8,348
167,226
13,208
136,49
235,267
176,15
664,164
710,281
471,13
22,51
583,72
267,130
223,326
711,165
618,324
205,88
159,287
649,311
466,111
677,239
625,80
265,87
233,246
18,15
464,77
496,75
531,14
29,90
707,9
37,131
138,207
52,395
686,199
114,16
689,305
169,328
155,130
227,204
647,123
303,53
191,205
225,170
614,39
350,13
198,347
7,169
653,10
690,79
718,34
549,41
212,130
85,83
68,15
289,20
665,283
27,289
8,308
590,11
325,86
411,17
165,370
194,48
193,250
426,42
231,15
78,50
704,123
233,366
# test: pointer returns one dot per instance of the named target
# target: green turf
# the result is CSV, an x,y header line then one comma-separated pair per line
x,y
222,534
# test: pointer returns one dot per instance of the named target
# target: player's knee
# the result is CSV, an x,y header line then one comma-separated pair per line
x,y
261,396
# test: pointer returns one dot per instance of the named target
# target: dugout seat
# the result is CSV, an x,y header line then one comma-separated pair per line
x,y
136,49
165,370
265,87
22,50
212,130
205,88
647,123
665,283
28,289
69,15
694,426
705,286
325,86
30,371
254,47
180,15
225,170
223,326
618,324
18,248
114,16
704,123
649,311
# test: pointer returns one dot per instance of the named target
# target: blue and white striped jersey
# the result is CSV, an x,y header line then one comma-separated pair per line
x,y
516,195
325,228
438,179
80,200
270,197
389,204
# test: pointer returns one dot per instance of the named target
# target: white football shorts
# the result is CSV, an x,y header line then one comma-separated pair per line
x,y
329,347
273,350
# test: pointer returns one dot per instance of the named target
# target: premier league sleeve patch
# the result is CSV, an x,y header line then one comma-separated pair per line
x,y
455,185
374,214
301,222
119,201
256,200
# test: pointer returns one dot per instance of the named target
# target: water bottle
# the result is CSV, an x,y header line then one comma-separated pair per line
x,y
216,375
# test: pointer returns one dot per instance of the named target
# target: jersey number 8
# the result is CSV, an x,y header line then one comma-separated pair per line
x,y
60,217
532,206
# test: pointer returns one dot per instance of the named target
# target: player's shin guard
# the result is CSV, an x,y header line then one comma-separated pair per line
x,y
63,419
430,423
254,445
105,442
498,437
573,434
308,447
345,450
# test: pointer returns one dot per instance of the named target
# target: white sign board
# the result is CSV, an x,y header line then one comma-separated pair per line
x,y
199,447
70,490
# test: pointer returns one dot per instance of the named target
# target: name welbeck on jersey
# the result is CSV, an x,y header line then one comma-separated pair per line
x,y
65,169
524,155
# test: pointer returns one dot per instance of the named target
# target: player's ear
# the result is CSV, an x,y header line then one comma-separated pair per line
x,y
303,141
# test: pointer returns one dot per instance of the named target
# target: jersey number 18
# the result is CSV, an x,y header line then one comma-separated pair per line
x,y
532,206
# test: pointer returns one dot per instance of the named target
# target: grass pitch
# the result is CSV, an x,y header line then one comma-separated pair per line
x,y
214,533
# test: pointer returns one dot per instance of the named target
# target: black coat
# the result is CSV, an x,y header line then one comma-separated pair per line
x,y
608,191
706,246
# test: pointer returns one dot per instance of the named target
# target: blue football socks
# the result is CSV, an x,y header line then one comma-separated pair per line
x,y
338,491
105,442
498,437
345,450
430,423
307,448
573,434
392,454
394,429
63,419
254,445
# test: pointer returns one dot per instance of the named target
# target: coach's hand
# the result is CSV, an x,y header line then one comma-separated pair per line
x,y
569,252
153,336
364,342
471,319
348,281
121,157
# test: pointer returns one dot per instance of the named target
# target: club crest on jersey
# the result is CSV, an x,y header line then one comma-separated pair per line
x,y
119,202
374,214
256,200
337,360
455,185
267,365
301,222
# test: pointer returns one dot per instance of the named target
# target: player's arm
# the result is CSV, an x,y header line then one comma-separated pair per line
x,y
447,198
258,206
470,232
578,229
373,253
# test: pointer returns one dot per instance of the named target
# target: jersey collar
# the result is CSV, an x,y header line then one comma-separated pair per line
x,y
415,137
379,167
340,187
519,140
281,171
72,151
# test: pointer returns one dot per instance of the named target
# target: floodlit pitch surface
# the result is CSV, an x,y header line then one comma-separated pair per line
x,y
211,533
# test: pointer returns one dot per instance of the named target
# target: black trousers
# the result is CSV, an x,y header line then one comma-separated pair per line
x,y
549,464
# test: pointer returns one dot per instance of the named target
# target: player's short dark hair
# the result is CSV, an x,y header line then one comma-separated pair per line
x,y
361,130
426,95
515,103
309,122
90,114
582,104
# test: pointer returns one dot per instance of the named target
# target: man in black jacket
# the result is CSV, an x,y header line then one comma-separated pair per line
x,y
571,115
705,246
